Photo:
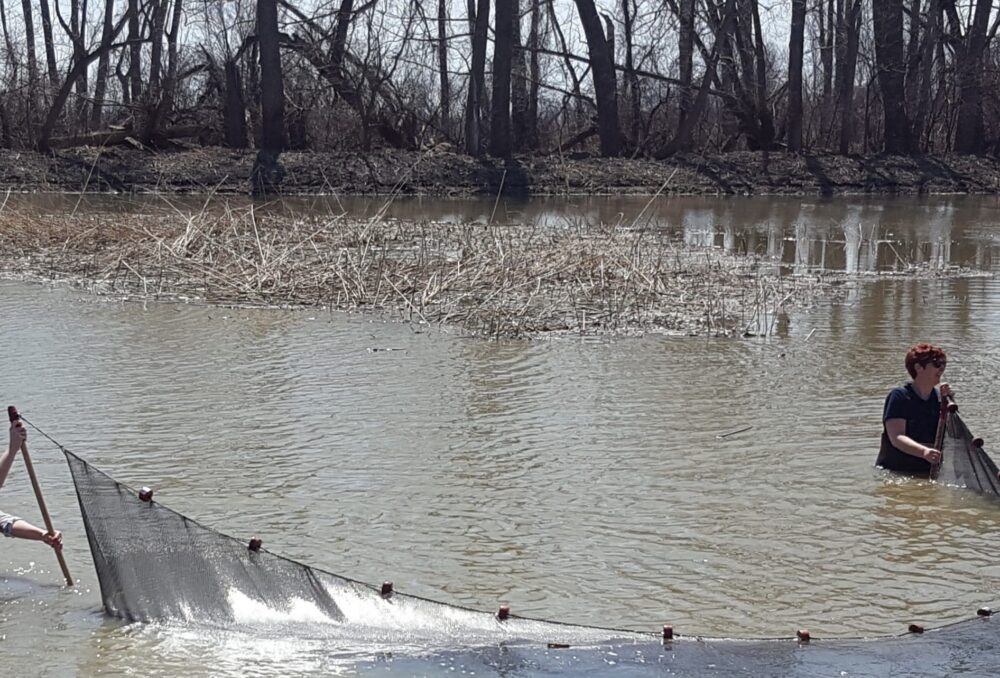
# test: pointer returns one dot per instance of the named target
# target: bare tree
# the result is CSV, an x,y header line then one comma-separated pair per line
x,y
29,39
103,64
503,53
796,40
445,91
520,105
848,35
969,55
480,18
135,51
684,129
931,37
267,173
534,73
77,67
887,20
633,92
50,49
602,68
685,60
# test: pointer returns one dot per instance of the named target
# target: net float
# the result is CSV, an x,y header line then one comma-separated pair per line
x,y
146,494
803,635
916,628
977,442
668,632
984,612
387,589
255,544
503,613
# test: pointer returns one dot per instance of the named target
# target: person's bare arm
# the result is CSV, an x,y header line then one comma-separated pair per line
x,y
18,434
22,529
896,430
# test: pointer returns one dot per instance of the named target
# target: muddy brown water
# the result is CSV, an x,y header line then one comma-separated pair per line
x,y
575,479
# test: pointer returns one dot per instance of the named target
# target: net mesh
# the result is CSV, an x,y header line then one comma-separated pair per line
x,y
155,564
964,463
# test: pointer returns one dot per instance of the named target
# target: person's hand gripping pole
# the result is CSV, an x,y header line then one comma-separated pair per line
x,y
15,420
948,406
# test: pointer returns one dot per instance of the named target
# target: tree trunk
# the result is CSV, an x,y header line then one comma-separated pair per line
x,y
477,78
796,42
11,61
848,33
29,40
135,51
6,137
633,93
79,67
31,96
912,80
500,145
267,172
78,33
445,91
685,60
970,131
602,69
519,88
826,39
234,108
50,49
339,47
683,134
887,20
534,72
765,127
567,62
932,35
103,65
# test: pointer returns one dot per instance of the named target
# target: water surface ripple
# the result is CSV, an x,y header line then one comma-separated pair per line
x,y
581,480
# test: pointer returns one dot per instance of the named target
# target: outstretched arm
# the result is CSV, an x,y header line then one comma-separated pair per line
x,y
18,434
22,529
18,527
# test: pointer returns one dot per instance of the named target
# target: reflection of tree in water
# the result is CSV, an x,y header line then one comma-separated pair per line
x,y
699,228
940,226
802,247
854,238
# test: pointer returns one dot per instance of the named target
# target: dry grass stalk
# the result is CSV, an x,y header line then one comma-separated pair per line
x,y
492,280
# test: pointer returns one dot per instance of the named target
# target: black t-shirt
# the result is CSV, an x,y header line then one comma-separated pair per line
x,y
921,424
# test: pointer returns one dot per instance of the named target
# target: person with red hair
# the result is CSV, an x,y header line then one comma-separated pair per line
x,y
911,413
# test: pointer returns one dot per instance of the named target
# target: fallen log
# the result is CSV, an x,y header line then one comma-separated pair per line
x,y
123,136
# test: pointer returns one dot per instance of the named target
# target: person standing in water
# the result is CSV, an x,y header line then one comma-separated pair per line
x,y
911,413
12,526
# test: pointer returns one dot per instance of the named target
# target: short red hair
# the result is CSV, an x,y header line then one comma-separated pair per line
x,y
921,354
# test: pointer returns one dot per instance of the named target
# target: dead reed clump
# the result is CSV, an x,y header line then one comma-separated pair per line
x,y
507,281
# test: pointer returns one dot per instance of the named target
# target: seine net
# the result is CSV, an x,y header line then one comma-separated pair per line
x,y
154,564
964,463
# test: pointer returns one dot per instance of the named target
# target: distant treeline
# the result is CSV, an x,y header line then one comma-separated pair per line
x,y
615,77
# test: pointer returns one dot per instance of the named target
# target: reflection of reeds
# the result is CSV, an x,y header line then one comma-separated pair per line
x,y
493,280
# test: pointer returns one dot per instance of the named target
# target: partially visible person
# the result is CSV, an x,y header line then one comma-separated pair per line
x,y
911,414
12,526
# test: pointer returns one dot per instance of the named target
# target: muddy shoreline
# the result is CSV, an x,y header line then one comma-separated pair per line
x,y
446,174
